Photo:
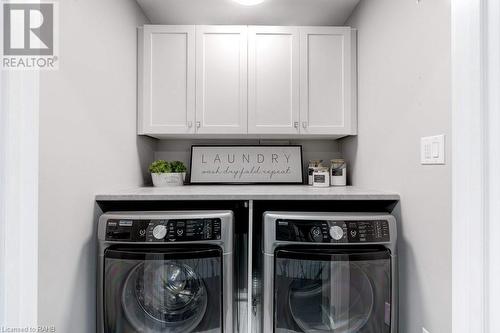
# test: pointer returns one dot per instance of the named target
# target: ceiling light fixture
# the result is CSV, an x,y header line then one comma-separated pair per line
x,y
249,2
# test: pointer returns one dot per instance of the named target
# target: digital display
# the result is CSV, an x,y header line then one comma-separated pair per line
x,y
156,230
329,231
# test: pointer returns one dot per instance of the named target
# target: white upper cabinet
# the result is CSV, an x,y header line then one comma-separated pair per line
x,y
167,80
273,80
247,82
328,80
221,79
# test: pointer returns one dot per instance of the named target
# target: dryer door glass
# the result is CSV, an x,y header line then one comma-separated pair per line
x,y
160,290
318,290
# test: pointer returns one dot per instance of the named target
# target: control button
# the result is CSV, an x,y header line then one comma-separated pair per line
x,y
353,233
159,232
142,232
180,232
316,234
336,232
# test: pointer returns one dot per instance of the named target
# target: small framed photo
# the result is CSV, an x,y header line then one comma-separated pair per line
x,y
242,164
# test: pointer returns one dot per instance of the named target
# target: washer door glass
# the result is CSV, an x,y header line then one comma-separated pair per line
x,y
160,290
332,291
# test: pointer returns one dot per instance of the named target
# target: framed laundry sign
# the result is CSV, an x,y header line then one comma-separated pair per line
x,y
246,165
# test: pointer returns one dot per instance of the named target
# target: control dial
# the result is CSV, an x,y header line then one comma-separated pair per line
x,y
316,234
336,232
160,231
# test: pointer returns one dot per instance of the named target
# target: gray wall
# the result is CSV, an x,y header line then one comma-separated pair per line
x,y
88,144
404,94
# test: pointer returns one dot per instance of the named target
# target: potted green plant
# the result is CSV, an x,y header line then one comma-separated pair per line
x,y
165,173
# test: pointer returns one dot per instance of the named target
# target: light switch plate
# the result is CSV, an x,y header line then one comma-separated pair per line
x,y
432,149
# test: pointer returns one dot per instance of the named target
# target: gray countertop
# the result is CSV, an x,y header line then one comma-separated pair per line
x,y
246,192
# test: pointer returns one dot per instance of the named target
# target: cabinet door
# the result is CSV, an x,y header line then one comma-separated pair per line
x,y
273,79
327,81
167,80
221,79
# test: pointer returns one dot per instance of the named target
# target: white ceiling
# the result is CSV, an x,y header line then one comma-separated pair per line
x,y
270,12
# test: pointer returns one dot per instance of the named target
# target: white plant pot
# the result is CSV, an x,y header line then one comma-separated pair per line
x,y
168,179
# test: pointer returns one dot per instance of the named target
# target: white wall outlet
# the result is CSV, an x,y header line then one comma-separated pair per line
x,y
432,149
424,330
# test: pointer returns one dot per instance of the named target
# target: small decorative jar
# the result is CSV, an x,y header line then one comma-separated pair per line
x,y
338,172
313,166
321,177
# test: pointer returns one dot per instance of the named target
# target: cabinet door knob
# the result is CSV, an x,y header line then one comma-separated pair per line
x,y
304,124
296,124
198,124
190,124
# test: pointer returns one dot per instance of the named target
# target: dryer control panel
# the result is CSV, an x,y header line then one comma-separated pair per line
x,y
325,231
174,230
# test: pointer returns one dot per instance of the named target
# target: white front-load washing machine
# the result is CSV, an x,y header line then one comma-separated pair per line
x,y
329,272
165,272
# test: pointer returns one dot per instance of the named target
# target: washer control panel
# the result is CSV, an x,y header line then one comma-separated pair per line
x,y
326,231
174,230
